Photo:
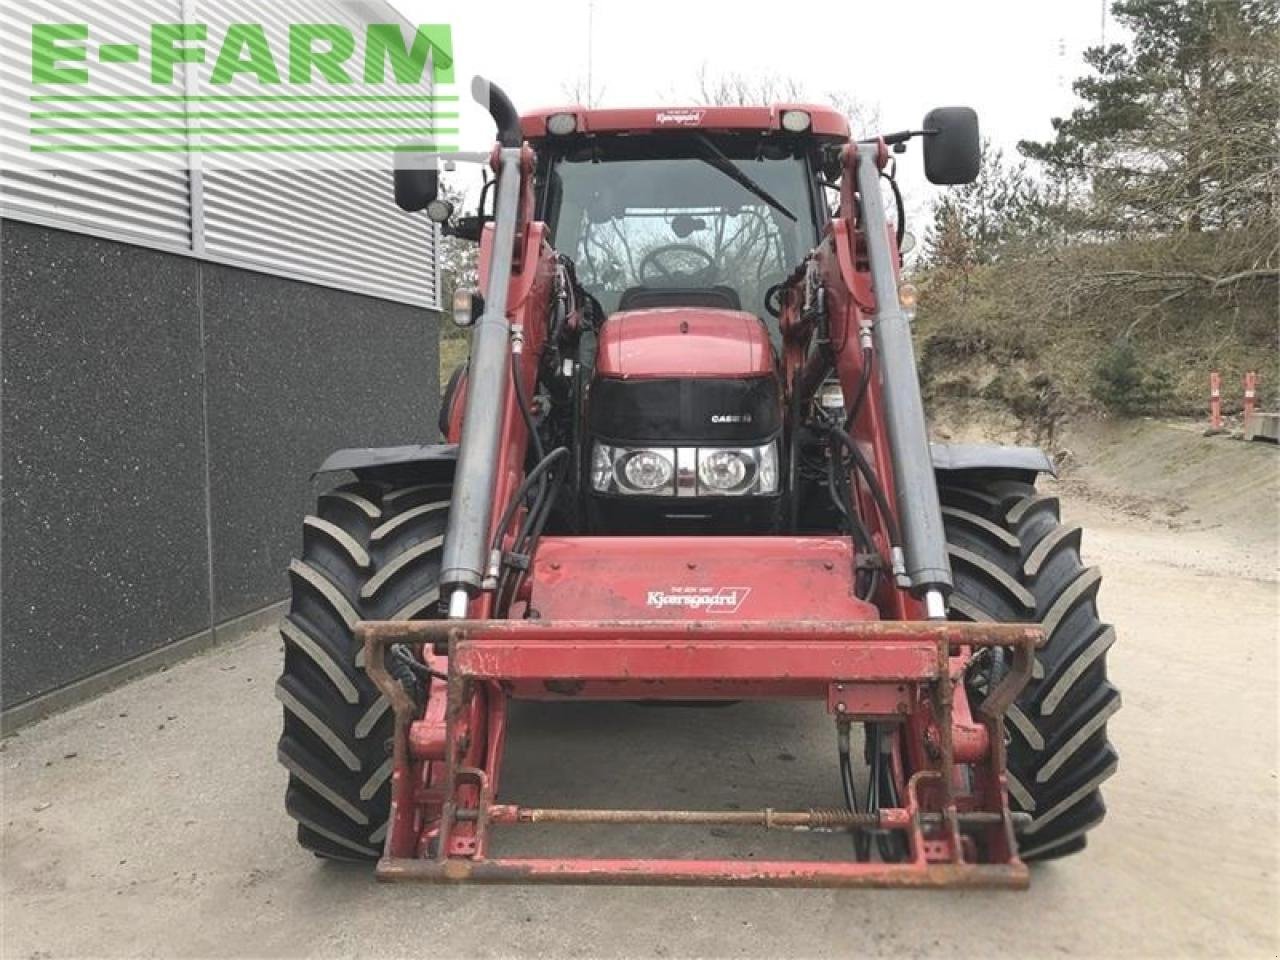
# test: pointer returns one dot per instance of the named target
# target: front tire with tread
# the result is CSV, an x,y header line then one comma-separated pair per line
x,y
1013,561
371,551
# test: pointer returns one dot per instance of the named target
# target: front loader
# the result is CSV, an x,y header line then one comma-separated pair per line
x,y
687,462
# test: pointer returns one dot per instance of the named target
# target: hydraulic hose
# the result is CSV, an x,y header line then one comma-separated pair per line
x,y
873,482
842,499
881,782
861,846
526,542
517,379
793,461
534,476
522,399
860,394
900,208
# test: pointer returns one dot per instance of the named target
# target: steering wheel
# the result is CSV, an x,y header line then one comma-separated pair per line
x,y
661,271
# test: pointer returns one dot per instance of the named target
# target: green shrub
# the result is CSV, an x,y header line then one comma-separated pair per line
x,y
1124,384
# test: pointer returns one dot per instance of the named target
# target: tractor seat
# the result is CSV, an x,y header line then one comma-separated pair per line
x,y
648,298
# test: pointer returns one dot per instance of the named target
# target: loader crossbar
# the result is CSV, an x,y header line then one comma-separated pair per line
x,y
899,672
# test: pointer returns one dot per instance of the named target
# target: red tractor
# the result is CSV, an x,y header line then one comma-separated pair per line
x,y
688,461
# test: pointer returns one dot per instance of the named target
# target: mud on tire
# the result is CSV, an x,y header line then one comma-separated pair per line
x,y
370,552
1013,560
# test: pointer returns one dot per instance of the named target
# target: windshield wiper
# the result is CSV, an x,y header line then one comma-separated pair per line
x,y
714,156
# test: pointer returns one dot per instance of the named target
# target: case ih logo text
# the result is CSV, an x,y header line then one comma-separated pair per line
x,y
731,418
681,118
707,599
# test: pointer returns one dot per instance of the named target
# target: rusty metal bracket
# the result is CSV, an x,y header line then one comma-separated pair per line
x,y
872,668
723,873
992,711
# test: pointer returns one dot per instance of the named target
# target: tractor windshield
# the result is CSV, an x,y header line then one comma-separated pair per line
x,y
654,216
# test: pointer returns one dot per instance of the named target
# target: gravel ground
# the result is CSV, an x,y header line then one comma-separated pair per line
x,y
150,821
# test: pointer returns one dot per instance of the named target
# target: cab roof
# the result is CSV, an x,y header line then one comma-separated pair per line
x,y
825,121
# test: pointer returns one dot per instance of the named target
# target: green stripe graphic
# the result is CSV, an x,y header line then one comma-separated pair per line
x,y
209,98
240,115
240,148
239,131
327,109
118,53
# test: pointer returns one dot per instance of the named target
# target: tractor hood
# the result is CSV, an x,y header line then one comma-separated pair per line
x,y
684,342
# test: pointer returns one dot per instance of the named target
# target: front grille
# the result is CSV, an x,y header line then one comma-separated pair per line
x,y
743,412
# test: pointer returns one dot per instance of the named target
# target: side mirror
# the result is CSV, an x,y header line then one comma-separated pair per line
x,y
952,146
416,186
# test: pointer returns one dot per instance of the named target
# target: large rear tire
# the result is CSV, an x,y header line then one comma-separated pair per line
x,y
1014,561
371,551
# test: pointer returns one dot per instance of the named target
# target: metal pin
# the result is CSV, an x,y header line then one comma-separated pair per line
x,y
459,600
899,567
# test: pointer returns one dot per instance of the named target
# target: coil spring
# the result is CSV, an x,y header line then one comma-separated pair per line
x,y
837,817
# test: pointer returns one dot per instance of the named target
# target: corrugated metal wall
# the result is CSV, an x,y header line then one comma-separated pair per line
x,y
148,207
339,228
336,228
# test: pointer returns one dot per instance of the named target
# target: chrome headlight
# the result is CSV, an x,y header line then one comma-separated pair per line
x,y
645,471
685,471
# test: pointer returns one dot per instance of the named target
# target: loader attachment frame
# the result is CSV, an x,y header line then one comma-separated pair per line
x,y
956,831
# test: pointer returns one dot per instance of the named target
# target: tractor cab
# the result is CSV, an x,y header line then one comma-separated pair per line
x,y
707,207
680,234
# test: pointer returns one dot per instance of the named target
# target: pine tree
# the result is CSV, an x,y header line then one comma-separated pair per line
x,y
978,222
1178,127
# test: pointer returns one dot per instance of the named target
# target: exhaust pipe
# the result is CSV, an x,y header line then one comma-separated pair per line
x,y
466,540
492,98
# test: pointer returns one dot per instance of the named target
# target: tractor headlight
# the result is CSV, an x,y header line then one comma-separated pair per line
x,y
724,471
646,471
796,121
685,471
562,124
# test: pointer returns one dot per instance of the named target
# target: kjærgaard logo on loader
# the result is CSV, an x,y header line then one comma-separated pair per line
x,y
709,599
682,118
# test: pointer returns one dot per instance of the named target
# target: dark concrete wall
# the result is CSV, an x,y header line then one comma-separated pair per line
x,y
160,420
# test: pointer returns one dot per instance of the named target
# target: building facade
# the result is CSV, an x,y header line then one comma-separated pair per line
x,y
179,349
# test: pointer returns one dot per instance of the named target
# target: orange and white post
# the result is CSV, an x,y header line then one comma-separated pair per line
x,y
1250,393
1215,401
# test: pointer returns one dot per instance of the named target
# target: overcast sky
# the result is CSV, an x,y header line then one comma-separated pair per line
x,y
1012,60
